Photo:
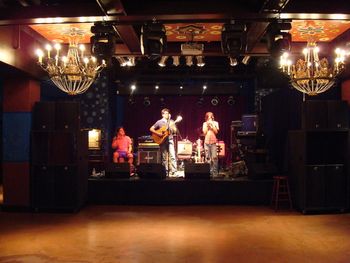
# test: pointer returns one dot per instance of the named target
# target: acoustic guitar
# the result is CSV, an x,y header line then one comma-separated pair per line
x,y
164,131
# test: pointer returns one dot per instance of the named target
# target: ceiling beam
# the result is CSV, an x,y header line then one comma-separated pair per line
x,y
126,32
17,48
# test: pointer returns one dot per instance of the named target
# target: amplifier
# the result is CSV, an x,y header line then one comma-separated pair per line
x,y
184,147
148,157
148,145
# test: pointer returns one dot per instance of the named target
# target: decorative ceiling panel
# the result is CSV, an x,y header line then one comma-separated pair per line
x,y
318,30
201,32
55,32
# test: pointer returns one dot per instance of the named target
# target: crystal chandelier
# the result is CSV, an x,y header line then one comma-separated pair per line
x,y
73,73
311,75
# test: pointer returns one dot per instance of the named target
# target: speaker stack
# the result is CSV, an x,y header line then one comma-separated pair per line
x,y
59,151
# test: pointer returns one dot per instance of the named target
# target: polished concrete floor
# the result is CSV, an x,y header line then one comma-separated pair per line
x,y
174,234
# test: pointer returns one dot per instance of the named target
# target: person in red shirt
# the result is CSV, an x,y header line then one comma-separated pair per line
x,y
122,145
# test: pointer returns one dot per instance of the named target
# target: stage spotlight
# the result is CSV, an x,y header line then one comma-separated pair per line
x,y
131,100
176,61
200,61
234,38
278,38
146,101
233,61
214,101
162,61
189,61
200,101
153,40
245,60
131,62
103,41
231,101
122,61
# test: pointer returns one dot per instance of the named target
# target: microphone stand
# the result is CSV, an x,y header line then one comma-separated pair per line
x,y
168,172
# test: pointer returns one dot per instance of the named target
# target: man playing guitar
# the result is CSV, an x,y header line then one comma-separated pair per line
x,y
162,133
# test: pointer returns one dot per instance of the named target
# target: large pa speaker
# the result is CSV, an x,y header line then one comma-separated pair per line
x,y
67,116
338,114
151,171
117,170
44,116
197,171
314,114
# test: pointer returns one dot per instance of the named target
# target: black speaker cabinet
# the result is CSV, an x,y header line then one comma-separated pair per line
x,y
197,171
314,114
44,116
148,157
117,170
40,147
151,171
67,116
338,114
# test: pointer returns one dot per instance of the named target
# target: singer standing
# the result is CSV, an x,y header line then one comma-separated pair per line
x,y
167,148
210,130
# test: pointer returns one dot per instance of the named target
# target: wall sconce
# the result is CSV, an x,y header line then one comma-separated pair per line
x,y
162,61
94,138
214,101
200,61
176,61
233,61
189,61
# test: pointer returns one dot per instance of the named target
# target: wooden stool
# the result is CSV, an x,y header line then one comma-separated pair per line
x,y
280,192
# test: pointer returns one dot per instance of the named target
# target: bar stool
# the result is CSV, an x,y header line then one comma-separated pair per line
x,y
280,192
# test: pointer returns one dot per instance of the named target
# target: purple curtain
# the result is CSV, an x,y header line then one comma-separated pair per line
x,y
138,118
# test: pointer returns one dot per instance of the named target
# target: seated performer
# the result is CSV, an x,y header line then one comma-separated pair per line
x,y
122,145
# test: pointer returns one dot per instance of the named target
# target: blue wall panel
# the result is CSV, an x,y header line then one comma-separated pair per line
x,y
16,136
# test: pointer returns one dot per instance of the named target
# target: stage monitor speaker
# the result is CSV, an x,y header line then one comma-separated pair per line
x,y
44,116
151,171
197,171
148,157
117,170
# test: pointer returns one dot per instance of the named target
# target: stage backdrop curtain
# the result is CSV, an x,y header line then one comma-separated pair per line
x,y
138,118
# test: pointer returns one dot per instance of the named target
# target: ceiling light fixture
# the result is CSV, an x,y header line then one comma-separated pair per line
x,y
162,61
189,61
73,73
245,60
233,61
311,75
200,61
176,61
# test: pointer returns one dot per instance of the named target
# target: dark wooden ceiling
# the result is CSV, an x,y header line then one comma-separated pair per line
x,y
127,17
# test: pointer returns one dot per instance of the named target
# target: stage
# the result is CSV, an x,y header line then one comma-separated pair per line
x,y
179,191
